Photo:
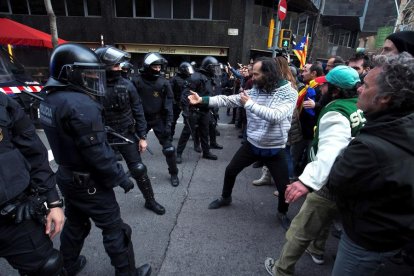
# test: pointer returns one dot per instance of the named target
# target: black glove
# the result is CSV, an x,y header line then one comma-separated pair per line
x,y
127,185
30,207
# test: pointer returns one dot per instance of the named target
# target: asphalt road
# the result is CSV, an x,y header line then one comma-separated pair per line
x,y
190,239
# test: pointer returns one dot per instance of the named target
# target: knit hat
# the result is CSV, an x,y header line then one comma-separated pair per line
x,y
341,76
403,41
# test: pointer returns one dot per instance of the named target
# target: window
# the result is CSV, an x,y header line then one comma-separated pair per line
x,y
19,7
143,8
93,7
123,8
162,9
4,7
59,7
37,7
75,8
221,10
331,37
201,9
182,9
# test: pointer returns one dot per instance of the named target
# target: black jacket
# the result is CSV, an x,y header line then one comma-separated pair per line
x,y
374,183
23,156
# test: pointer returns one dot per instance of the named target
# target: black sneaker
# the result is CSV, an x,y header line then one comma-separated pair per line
x,y
316,258
77,266
144,270
220,202
284,220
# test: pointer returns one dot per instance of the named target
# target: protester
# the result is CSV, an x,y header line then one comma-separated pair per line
x,y
338,122
399,42
373,178
269,106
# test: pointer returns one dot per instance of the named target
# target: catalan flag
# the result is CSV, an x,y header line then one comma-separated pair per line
x,y
301,50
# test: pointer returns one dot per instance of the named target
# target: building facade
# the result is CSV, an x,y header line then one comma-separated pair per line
x,y
234,31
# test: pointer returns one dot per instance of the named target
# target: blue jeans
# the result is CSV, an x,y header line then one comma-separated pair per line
x,y
355,260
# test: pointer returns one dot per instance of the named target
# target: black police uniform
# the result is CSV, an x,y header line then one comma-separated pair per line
x,y
157,98
88,172
196,116
25,178
125,115
177,85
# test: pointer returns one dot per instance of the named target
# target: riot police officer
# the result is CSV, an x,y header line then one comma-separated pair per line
x,y
71,116
26,182
202,82
127,69
125,115
157,100
185,70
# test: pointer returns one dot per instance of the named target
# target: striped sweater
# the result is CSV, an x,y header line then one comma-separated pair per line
x,y
268,114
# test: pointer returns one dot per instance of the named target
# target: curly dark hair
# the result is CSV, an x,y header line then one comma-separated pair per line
x,y
396,80
271,73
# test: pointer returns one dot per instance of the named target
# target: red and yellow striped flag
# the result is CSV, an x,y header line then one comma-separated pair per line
x,y
301,50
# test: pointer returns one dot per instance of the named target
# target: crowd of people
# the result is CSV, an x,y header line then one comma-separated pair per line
x,y
338,135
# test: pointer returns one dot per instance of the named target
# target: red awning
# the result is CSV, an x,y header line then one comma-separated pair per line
x,y
14,33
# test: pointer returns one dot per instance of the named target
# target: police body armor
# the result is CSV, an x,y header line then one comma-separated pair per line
x,y
203,86
178,83
13,181
118,112
60,137
152,93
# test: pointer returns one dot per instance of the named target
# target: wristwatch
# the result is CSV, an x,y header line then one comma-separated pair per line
x,y
143,137
56,204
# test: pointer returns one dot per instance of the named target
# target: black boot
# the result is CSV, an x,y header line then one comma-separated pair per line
x,y
197,147
174,180
144,270
209,156
144,184
179,159
77,266
215,146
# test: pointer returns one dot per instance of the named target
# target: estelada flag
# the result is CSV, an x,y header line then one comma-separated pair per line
x,y
301,50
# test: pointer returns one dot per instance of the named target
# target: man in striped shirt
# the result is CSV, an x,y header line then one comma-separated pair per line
x,y
269,106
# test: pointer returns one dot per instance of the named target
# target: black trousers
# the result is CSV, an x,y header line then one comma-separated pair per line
x,y
99,204
164,138
197,123
25,245
277,165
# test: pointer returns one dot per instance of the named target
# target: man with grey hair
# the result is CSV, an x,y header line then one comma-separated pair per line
x,y
373,178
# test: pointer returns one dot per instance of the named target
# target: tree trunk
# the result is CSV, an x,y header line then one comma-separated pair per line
x,y
52,22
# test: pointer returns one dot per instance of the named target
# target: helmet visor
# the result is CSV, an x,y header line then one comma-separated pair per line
x,y
91,78
94,81
114,56
215,69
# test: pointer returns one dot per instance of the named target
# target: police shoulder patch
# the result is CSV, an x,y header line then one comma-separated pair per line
x,y
47,114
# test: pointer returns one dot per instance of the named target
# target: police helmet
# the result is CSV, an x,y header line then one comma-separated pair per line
x,y
76,66
154,59
126,66
185,69
211,66
111,56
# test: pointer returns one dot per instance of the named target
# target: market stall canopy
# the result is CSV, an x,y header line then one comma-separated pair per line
x,y
14,33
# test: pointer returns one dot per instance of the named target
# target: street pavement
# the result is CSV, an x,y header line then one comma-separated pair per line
x,y
191,239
